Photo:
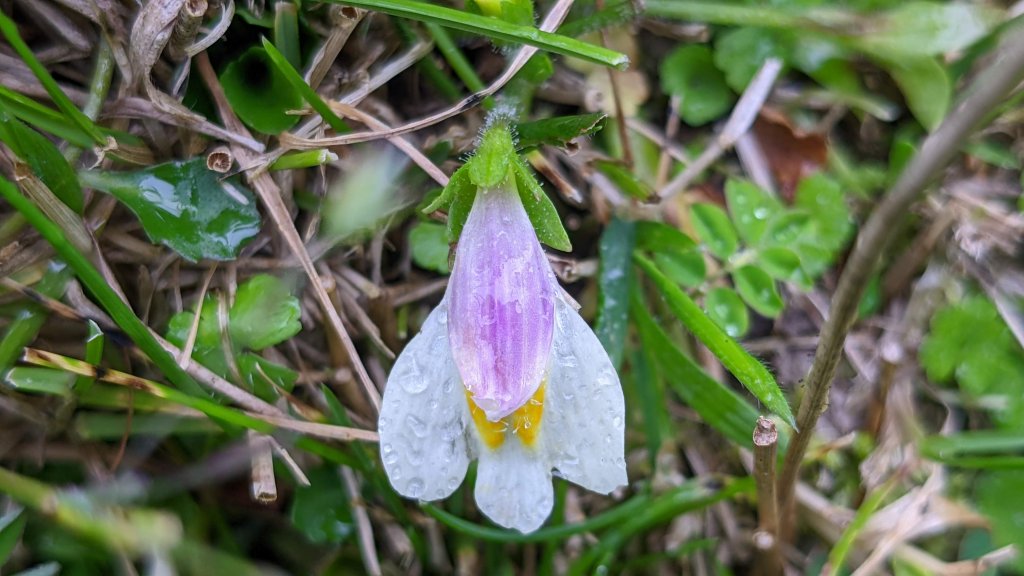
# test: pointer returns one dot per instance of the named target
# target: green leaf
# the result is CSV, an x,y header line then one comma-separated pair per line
x,y
714,228
45,160
926,86
559,131
1001,499
295,80
259,93
264,313
718,406
741,51
659,237
186,207
12,524
916,29
780,263
429,242
689,74
321,510
726,308
614,283
625,179
686,268
263,377
540,209
751,208
758,290
494,28
489,166
751,373
39,380
823,199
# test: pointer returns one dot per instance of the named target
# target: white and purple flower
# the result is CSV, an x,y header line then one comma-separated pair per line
x,y
506,371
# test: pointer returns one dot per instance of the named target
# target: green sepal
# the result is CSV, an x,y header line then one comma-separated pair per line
x,y
458,181
540,209
489,167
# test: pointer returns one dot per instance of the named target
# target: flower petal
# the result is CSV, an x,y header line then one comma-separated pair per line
x,y
513,486
423,419
584,412
502,304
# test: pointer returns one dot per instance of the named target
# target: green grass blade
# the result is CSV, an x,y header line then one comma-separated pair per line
x,y
747,369
493,28
308,94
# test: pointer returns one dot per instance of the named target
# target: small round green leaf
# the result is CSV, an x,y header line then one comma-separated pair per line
x,y
429,241
715,229
689,73
320,510
685,267
259,94
726,308
780,263
751,208
758,290
264,314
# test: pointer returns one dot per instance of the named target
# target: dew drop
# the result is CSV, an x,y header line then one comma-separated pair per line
x,y
617,422
418,427
415,487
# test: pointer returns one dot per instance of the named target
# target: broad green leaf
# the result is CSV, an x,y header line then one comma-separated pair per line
x,y
686,267
614,285
259,93
780,263
916,29
715,229
741,51
540,209
758,290
926,86
823,199
718,406
186,207
658,237
726,308
750,208
12,524
490,164
749,371
321,510
1001,499
558,131
263,377
787,228
429,242
689,74
44,158
265,313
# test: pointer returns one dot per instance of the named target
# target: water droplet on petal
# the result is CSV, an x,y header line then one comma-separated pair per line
x,y
418,427
617,422
415,487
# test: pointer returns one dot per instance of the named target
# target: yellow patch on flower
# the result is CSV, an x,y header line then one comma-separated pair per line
x,y
524,422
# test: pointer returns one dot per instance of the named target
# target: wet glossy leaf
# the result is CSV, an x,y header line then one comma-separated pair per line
x,y
263,377
614,283
750,208
823,199
265,313
780,263
715,229
320,510
44,158
540,209
259,93
429,242
689,73
726,308
758,290
559,131
787,228
186,207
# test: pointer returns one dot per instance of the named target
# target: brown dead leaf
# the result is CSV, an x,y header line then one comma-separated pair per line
x,y
792,153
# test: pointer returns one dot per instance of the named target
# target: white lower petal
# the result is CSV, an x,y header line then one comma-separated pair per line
x,y
424,415
513,486
584,413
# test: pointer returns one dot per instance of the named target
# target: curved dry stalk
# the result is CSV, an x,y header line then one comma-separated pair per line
x,y
1002,75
